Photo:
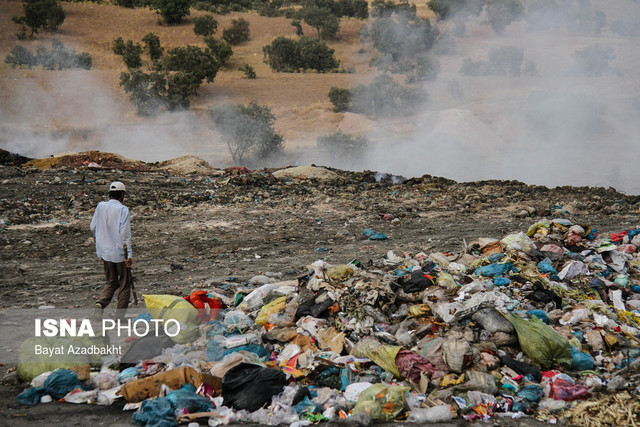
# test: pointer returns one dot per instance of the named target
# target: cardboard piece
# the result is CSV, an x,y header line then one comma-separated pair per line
x,y
137,391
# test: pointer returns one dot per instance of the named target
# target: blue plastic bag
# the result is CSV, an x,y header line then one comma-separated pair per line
x,y
127,374
531,393
30,396
368,232
581,361
540,314
378,236
546,266
494,270
61,382
186,398
501,281
157,412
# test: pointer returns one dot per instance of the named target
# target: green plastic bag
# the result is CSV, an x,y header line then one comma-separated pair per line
x,y
381,402
541,342
32,361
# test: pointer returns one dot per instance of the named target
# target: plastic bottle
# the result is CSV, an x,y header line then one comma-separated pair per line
x,y
437,414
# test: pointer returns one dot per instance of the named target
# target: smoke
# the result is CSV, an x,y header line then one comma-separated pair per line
x,y
73,110
551,100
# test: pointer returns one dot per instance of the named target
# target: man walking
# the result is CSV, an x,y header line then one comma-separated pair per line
x,y
111,227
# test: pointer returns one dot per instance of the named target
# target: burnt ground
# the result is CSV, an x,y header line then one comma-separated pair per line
x,y
196,230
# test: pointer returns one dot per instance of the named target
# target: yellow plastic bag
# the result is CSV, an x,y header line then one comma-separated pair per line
x,y
382,355
381,402
167,307
266,311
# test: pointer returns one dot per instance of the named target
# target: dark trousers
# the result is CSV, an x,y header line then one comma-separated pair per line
x,y
116,275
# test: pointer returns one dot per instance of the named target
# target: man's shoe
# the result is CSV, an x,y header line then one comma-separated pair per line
x,y
97,314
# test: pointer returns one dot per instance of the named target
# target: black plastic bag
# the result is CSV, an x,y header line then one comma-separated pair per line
x,y
145,348
250,387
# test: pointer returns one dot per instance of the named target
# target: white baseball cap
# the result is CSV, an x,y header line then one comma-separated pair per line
x,y
117,186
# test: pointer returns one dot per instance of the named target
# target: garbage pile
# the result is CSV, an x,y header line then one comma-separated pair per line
x,y
542,323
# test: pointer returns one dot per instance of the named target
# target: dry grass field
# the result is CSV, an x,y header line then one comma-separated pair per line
x,y
77,104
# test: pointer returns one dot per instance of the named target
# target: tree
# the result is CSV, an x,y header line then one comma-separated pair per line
x,y
237,33
45,14
283,55
316,55
342,146
286,55
340,98
501,13
147,90
204,25
325,23
172,11
152,46
219,49
130,52
175,78
247,131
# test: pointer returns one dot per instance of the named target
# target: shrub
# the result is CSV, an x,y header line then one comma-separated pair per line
x,y
248,71
340,98
130,52
219,49
503,61
58,58
286,55
237,33
20,55
593,60
383,96
152,45
323,20
316,55
172,11
174,79
204,25
342,146
40,14
501,13
283,55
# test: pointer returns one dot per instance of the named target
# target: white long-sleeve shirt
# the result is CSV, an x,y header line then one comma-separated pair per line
x,y
111,227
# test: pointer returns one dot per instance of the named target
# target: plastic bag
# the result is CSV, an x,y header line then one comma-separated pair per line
x,y
30,396
541,342
381,402
167,307
382,355
436,414
156,412
186,398
250,387
546,266
61,382
562,389
494,270
531,393
267,310
581,361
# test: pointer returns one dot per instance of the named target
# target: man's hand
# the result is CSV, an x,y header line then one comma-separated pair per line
x,y
128,262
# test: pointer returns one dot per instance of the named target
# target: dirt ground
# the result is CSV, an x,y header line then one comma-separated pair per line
x,y
195,231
